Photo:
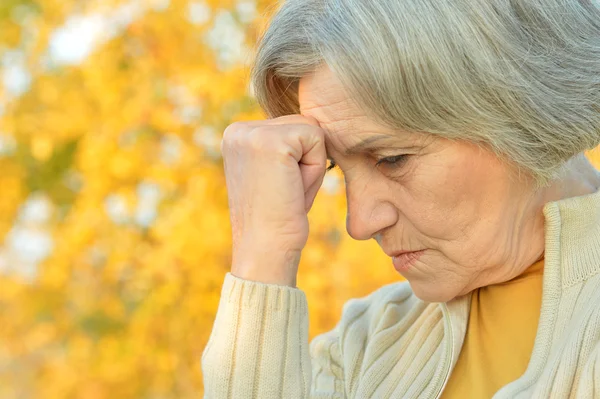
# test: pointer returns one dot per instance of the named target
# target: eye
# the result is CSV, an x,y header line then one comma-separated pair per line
x,y
393,161
332,165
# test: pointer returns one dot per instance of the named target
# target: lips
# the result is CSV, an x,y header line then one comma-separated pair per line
x,y
403,260
398,253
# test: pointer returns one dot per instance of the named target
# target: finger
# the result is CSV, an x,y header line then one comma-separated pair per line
x,y
311,192
312,165
304,142
296,119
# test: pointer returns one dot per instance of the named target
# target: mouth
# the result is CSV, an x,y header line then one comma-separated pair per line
x,y
403,260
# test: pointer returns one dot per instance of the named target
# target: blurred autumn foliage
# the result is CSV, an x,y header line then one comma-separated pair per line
x,y
113,208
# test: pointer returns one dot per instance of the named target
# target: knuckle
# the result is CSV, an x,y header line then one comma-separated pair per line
x,y
319,134
235,133
268,138
299,119
233,130
232,137
261,138
224,147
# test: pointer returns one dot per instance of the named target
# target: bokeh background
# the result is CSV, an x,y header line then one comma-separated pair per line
x,y
114,231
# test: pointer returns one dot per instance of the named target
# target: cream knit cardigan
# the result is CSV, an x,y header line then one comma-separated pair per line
x,y
393,345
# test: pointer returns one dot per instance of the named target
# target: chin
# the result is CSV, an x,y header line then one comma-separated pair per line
x,y
429,292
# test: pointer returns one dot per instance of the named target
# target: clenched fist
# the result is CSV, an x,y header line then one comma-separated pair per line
x,y
273,170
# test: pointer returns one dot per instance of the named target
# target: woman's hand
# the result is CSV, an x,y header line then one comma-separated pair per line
x,y
273,170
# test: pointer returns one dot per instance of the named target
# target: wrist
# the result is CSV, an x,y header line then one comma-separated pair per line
x,y
269,267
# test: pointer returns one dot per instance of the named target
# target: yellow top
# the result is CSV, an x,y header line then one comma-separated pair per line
x,y
502,327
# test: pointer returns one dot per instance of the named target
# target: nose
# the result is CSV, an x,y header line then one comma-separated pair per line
x,y
369,211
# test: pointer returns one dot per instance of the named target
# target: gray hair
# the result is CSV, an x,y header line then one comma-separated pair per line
x,y
521,77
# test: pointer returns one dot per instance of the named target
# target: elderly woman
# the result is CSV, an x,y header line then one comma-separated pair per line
x,y
460,127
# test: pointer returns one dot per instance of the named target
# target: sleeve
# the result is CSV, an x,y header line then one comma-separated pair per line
x,y
259,348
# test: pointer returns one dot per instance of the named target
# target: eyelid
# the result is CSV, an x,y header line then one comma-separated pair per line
x,y
392,160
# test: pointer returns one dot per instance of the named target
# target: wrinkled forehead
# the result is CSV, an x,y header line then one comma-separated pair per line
x,y
321,88
322,96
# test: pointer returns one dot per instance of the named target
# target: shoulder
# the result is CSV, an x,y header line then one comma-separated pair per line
x,y
574,361
392,301
588,383
361,320
368,328
363,317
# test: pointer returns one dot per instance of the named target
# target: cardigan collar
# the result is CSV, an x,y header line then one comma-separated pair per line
x,y
573,238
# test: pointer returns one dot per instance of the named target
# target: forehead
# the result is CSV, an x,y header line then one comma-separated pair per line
x,y
322,96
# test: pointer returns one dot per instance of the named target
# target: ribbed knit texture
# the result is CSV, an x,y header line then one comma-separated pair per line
x,y
393,345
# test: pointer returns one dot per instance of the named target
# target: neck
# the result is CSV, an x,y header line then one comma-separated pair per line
x,y
579,178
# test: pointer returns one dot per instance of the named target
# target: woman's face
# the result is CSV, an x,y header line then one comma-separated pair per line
x,y
477,223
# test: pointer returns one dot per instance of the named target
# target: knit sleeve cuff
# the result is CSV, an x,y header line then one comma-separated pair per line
x,y
251,294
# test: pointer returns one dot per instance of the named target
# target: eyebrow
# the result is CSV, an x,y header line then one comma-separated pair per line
x,y
357,148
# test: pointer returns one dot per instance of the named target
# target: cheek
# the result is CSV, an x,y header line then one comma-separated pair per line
x,y
447,197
